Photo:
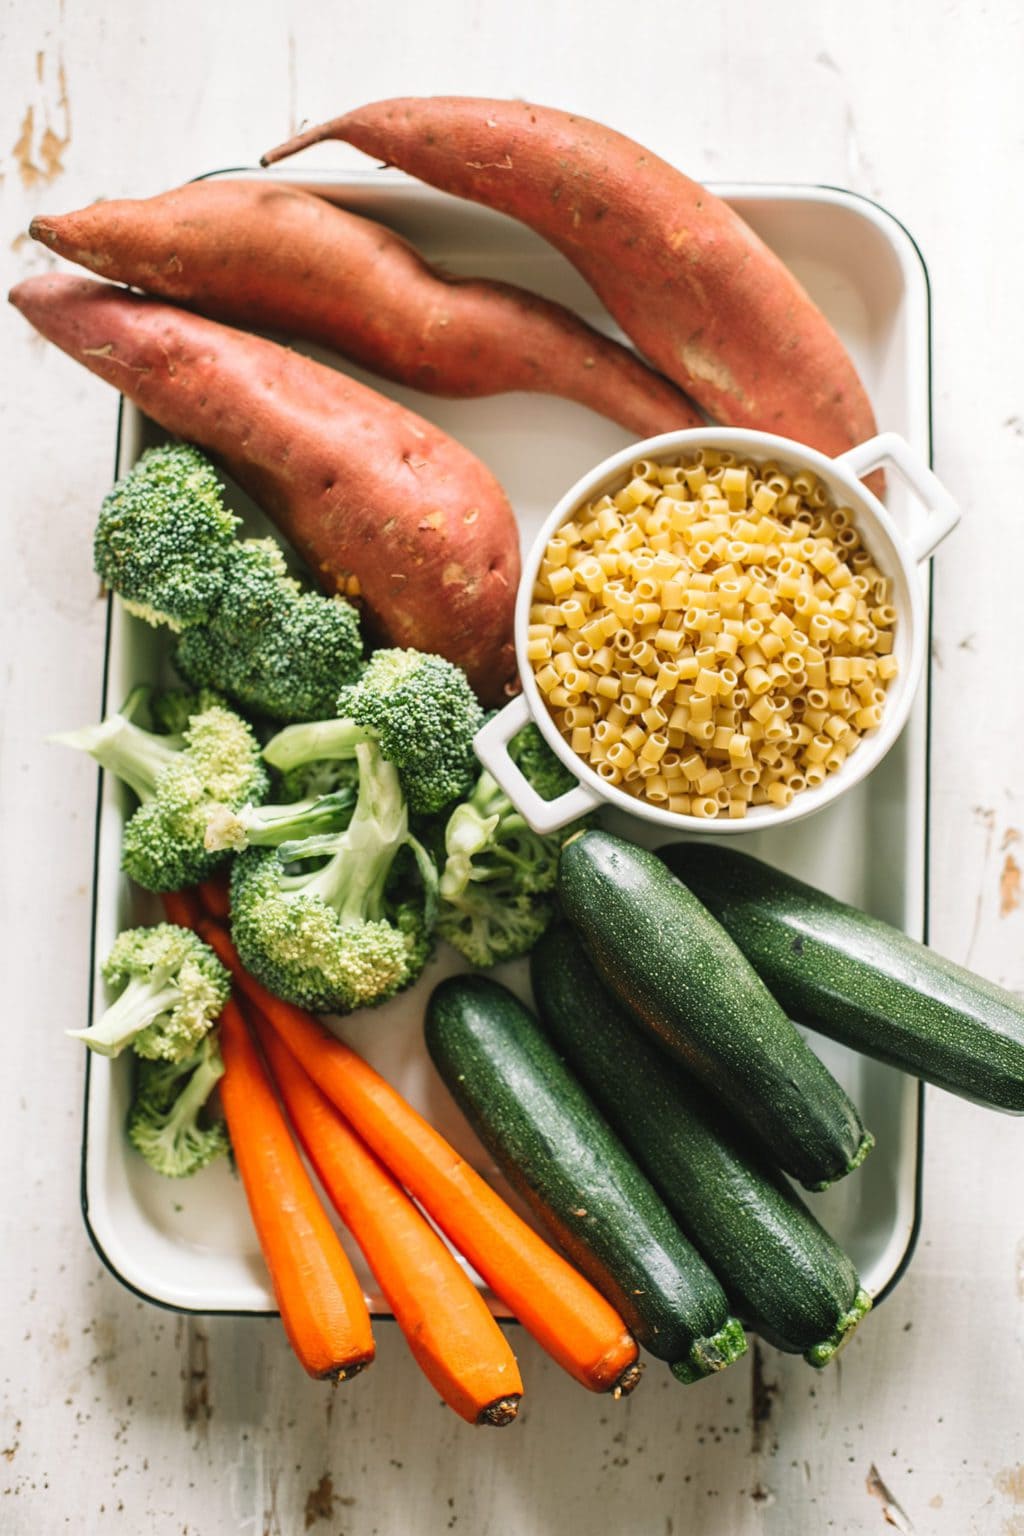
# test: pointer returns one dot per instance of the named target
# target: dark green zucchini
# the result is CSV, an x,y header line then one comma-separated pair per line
x,y
559,1153
680,975
862,981
781,1270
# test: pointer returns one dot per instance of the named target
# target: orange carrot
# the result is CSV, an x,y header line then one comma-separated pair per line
x,y
562,1310
215,896
446,1321
183,907
319,1298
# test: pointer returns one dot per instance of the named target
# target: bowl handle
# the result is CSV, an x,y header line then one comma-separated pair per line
x,y
943,514
491,746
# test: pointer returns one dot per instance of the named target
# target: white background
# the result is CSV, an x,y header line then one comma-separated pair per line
x,y
117,1417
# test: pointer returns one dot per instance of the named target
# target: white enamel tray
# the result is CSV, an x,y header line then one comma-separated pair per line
x,y
189,1245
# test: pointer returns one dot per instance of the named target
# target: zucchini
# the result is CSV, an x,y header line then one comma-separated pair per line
x,y
861,980
559,1153
680,975
781,1270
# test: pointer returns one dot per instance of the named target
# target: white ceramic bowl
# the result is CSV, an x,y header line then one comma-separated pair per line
x,y
896,554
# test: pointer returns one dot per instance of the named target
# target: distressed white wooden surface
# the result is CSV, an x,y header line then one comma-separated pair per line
x,y
115,1416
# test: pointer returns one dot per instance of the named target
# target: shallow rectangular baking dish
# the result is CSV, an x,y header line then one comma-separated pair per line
x,y
189,1245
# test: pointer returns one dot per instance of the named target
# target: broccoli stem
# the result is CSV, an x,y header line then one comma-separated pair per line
x,y
182,1118
143,1000
133,755
268,826
353,879
314,741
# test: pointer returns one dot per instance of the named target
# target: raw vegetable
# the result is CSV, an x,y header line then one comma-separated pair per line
x,y
862,981
561,1156
215,896
421,712
268,826
446,1322
377,501
317,1293
170,987
680,975
562,1310
275,648
689,282
166,544
497,883
165,1123
179,781
163,537
272,257
353,925
781,1269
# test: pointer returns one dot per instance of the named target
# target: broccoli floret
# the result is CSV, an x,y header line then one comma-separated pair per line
x,y
179,781
271,646
352,931
163,537
164,1121
422,713
535,760
498,877
172,709
171,988
268,826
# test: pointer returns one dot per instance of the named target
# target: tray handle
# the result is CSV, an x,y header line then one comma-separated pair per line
x,y
941,512
491,746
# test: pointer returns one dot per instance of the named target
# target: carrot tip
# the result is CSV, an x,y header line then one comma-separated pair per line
x,y
501,1412
628,1381
346,1372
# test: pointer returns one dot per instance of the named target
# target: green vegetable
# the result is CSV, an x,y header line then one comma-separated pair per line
x,y
782,1271
497,883
862,981
357,927
179,780
676,971
172,708
560,1154
171,989
422,713
276,649
165,1120
268,826
163,537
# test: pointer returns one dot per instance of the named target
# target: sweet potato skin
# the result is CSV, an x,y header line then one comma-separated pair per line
x,y
689,282
373,497
269,256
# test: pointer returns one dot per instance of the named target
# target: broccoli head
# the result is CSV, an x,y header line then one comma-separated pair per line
x,y
178,780
421,712
171,987
356,927
270,645
499,875
172,708
165,1120
163,537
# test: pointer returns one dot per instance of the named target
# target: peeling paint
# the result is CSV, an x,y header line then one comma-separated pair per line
x,y
892,1511
764,1395
1009,886
45,135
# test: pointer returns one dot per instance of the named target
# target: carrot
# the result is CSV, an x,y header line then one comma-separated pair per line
x,y
562,1310
448,1325
183,907
378,502
270,257
319,1298
215,895
689,282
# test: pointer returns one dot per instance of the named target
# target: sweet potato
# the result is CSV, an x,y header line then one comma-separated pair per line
x,y
273,257
375,499
689,282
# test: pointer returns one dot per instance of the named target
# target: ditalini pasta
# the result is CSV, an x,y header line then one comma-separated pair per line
x,y
713,635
